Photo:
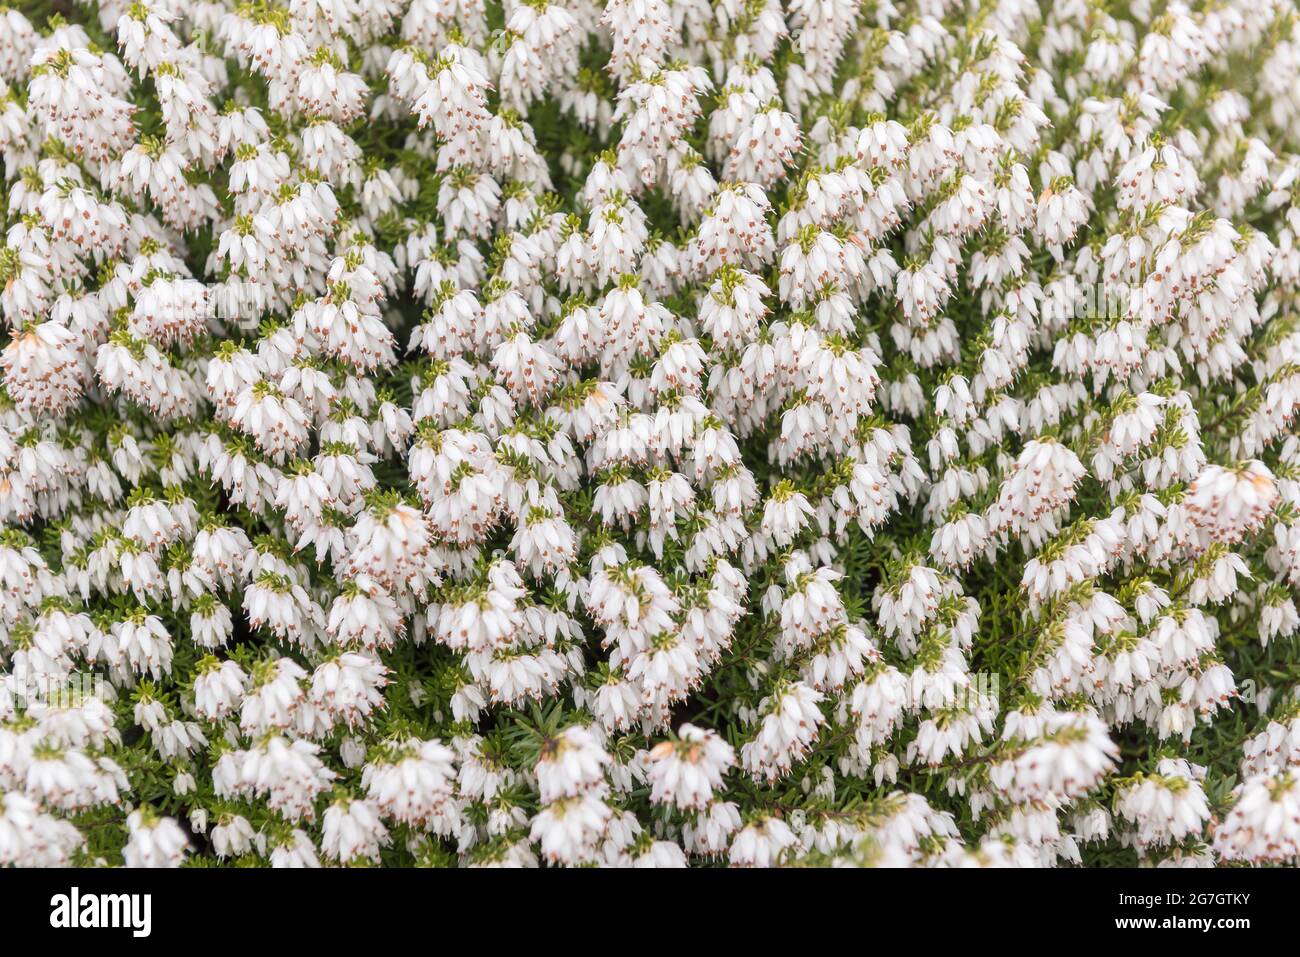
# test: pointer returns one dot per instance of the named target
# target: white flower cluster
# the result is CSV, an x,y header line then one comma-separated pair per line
x,y
660,432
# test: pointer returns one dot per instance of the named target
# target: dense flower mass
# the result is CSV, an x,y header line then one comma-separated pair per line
x,y
650,433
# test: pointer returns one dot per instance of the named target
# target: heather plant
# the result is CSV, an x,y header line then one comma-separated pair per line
x,y
657,433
